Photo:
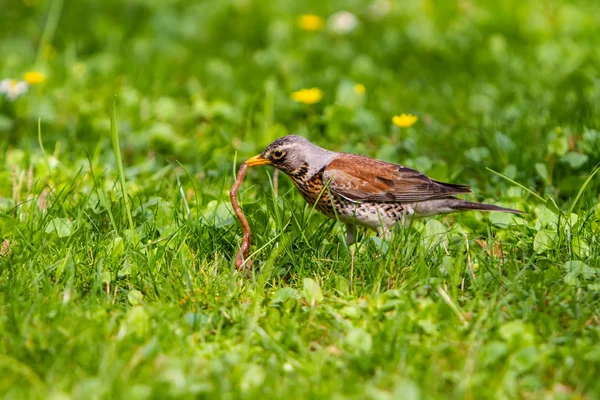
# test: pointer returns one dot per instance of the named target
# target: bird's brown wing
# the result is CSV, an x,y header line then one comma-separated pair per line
x,y
360,179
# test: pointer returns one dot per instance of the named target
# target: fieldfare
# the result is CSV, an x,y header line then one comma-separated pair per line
x,y
363,191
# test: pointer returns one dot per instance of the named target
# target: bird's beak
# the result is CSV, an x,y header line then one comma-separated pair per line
x,y
257,160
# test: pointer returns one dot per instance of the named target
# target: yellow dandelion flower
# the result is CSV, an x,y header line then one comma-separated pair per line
x,y
308,96
360,88
34,77
310,22
404,120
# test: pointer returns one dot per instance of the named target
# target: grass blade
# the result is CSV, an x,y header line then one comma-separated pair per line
x,y
582,188
534,194
119,161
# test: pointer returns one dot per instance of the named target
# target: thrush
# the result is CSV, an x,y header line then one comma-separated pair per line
x,y
363,191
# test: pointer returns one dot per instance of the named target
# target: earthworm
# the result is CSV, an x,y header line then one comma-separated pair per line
x,y
241,260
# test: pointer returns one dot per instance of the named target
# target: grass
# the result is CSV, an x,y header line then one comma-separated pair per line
x,y
118,240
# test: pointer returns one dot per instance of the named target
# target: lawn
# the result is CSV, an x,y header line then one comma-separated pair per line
x,y
118,241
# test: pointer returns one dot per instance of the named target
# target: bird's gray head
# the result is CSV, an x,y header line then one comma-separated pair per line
x,y
293,153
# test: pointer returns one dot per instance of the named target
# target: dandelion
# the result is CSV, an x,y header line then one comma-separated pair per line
x,y
308,96
13,88
404,120
342,22
310,22
34,77
359,88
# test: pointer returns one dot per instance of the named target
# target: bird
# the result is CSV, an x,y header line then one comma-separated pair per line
x,y
363,191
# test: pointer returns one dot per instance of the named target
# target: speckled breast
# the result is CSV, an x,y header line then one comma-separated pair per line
x,y
314,192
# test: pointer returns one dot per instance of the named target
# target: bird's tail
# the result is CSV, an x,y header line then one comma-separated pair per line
x,y
463,205
452,204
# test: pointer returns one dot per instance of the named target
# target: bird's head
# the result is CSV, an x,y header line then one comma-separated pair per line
x,y
292,153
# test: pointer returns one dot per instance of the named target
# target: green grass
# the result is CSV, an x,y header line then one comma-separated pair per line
x,y
116,265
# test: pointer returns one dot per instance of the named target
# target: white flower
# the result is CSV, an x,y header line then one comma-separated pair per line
x,y
13,88
287,367
342,22
380,8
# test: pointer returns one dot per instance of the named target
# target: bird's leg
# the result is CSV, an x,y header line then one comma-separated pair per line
x,y
387,234
350,233
350,239
352,270
384,232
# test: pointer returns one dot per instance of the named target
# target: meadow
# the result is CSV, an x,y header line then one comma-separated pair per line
x,y
123,123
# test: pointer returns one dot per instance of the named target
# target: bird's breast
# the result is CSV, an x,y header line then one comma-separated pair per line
x,y
313,190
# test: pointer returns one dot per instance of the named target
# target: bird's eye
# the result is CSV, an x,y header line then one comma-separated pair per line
x,y
277,154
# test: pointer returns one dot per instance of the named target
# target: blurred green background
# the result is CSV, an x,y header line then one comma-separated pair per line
x,y
111,292
196,81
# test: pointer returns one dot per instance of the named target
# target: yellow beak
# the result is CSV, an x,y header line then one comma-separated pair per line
x,y
257,160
